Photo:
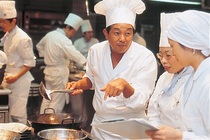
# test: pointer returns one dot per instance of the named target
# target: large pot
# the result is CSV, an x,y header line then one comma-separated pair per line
x,y
9,135
52,120
62,134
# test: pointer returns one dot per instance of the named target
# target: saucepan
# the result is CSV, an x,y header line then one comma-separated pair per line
x,y
62,134
46,92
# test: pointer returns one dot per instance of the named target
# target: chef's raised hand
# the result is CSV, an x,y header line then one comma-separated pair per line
x,y
73,86
116,87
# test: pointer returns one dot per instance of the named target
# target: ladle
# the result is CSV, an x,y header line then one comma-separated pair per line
x,y
46,93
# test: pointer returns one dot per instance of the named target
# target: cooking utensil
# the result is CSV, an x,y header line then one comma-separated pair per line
x,y
9,135
46,92
62,134
52,120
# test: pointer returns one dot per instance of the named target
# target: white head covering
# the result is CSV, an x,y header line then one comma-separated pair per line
x,y
74,21
120,11
165,20
86,26
3,58
7,9
192,29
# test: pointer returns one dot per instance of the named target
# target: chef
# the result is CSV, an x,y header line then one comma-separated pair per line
x,y
165,103
84,43
189,35
18,47
122,72
57,49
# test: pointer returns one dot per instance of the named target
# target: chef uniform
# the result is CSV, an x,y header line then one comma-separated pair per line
x,y
192,30
19,50
165,103
138,67
81,44
57,49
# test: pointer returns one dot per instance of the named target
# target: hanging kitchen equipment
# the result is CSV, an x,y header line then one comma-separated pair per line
x,y
9,135
62,134
55,120
46,93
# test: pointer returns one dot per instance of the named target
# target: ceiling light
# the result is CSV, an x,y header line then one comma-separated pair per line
x,y
179,2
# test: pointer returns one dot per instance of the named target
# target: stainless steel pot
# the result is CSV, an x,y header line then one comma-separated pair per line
x,y
9,135
62,134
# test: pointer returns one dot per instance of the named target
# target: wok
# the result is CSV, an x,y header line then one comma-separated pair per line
x,y
55,120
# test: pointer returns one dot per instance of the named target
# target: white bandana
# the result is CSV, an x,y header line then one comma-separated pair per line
x,y
192,29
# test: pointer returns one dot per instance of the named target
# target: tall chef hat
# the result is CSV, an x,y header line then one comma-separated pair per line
x,y
86,26
3,58
165,20
7,9
74,21
120,11
192,29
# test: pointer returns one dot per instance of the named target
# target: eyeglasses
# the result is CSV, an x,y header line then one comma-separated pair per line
x,y
167,55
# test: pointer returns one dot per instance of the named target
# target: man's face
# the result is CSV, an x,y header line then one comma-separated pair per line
x,y
70,32
119,37
6,25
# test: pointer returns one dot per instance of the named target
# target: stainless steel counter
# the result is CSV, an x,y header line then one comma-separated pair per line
x,y
5,91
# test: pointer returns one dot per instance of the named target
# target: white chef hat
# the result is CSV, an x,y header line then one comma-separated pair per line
x,y
74,21
86,26
165,20
120,11
7,9
3,58
192,29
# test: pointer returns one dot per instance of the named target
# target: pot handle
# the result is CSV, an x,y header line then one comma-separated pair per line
x,y
68,118
48,109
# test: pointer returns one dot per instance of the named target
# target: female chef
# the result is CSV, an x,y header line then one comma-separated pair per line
x,y
189,37
164,106
122,72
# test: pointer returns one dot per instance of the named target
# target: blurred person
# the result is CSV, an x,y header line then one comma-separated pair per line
x,y
165,103
138,39
122,72
18,47
84,43
57,49
188,36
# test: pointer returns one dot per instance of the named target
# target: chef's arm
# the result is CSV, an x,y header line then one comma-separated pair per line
x,y
84,84
13,78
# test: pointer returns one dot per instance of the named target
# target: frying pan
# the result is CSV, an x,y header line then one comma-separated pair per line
x,y
46,92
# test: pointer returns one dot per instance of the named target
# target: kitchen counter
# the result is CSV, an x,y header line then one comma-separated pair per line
x,y
5,91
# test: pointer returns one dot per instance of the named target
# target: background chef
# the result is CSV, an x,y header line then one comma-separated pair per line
x,y
19,50
57,49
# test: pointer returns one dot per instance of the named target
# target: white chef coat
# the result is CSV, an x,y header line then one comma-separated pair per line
x,y
83,46
57,50
196,104
19,49
165,103
138,67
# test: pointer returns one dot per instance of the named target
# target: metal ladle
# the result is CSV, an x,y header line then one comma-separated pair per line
x,y
46,93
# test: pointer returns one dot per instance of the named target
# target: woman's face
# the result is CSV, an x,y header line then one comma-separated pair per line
x,y
168,60
181,53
